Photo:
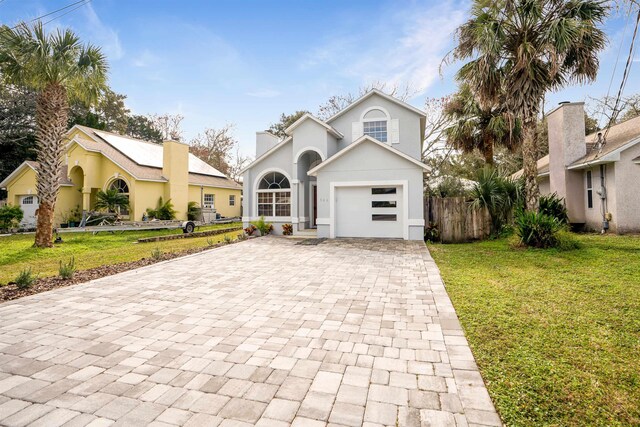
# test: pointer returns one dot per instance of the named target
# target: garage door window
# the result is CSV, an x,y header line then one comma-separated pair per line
x,y
274,195
383,190
384,217
384,204
27,200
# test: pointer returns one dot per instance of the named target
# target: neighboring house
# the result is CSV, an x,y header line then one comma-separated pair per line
x,y
357,174
598,176
98,160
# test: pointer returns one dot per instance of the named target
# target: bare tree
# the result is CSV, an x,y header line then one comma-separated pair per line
x,y
436,122
237,163
601,109
169,125
337,103
214,147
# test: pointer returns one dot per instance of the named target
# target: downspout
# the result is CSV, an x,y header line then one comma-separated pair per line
x,y
603,199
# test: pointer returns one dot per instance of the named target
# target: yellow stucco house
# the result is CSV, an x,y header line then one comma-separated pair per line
x,y
98,160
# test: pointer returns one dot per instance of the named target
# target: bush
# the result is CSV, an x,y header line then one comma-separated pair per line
x,y
242,237
193,211
431,233
553,206
287,229
263,226
10,217
25,279
537,230
67,270
499,194
163,211
227,239
156,253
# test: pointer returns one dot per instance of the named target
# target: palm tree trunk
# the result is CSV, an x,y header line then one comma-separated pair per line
x,y
52,109
529,154
487,151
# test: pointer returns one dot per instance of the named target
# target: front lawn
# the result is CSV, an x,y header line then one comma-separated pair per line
x,y
17,251
556,334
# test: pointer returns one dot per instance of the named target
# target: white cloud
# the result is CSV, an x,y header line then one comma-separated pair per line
x,y
406,48
103,35
145,59
264,93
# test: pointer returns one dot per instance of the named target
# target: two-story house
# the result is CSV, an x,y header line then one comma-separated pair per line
x,y
357,174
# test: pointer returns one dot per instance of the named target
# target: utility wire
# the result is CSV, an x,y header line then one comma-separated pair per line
x,y
52,13
68,12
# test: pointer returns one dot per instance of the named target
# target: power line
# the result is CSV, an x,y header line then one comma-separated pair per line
x,y
52,13
68,12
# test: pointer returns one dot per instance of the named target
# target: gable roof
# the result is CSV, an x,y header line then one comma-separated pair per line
x,y
309,116
359,141
383,95
64,180
145,153
267,153
620,137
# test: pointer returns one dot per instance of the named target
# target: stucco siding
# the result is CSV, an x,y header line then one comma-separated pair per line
x,y
627,191
309,135
409,124
544,184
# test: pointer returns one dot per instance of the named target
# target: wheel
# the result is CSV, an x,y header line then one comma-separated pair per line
x,y
189,227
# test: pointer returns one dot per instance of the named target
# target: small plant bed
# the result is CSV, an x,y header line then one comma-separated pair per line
x,y
188,235
36,285
555,332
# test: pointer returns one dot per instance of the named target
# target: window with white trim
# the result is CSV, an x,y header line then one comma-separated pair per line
x,y
274,195
589,190
28,200
209,201
232,200
376,129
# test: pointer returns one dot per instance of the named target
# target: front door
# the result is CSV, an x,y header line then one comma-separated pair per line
x,y
315,205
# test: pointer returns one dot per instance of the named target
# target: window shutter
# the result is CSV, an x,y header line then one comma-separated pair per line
x,y
394,132
356,130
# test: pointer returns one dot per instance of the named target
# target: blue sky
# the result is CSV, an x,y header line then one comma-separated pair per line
x,y
246,62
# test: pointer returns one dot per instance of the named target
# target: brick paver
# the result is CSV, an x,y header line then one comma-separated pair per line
x,y
263,332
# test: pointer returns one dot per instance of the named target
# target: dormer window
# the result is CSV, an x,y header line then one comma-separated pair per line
x,y
376,129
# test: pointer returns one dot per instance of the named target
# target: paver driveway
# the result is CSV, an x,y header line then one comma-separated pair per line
x,y
266,332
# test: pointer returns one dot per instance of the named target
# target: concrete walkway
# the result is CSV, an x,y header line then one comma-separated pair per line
x,y
264,332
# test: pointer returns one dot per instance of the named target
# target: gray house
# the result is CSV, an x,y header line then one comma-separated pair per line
x,y
598,175
357,174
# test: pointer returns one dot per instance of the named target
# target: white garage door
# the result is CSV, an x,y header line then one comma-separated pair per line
x,y
369,211
29,205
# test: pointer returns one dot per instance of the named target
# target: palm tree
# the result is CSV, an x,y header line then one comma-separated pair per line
x,y
59,68
473,127
111,200
525,48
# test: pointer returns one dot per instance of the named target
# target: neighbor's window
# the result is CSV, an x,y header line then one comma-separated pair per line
x,y
589,191
376,129
232,200
27,200
123,188
274,195
209,200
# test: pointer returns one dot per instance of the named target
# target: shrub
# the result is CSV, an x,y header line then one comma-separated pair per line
x,y
164,210
287,229
263,226
25,279
111,200
193,211
156,253
553,206
10,217
431,233
242,236
537,230
499,194
67,270
228,239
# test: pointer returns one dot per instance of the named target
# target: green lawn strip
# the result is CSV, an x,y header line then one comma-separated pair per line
x,y
17,253
556,334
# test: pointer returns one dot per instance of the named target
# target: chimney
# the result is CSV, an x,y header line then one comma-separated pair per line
x,y
566,145
175,168
264,142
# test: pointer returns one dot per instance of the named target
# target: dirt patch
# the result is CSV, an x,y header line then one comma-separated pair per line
x,y
11,291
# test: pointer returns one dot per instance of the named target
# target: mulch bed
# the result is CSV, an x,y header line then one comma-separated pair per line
x,y
10,291
188,235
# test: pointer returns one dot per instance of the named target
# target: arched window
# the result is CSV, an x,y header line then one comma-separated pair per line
x,y
274,195
123,188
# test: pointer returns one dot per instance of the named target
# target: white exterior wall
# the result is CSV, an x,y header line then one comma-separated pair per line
x,y
626,192
593,216
380,167
409,124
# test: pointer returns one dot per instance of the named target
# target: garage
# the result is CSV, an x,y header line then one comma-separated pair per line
x,y
29,206
369,211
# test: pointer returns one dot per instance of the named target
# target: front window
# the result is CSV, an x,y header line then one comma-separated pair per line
x,y
123,188
376,129
209,200
232,200
589,190
274,195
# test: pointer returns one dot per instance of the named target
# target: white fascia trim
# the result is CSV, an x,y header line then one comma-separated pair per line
x,y
5,182
405,201
314,171
267,154
612,156
382,94
416,222
323,221
307,116
308,148
254,189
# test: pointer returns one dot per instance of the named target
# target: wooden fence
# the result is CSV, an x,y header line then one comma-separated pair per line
x,y
455,220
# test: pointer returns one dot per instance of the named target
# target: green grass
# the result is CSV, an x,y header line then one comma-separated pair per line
x,y
17,251
556,334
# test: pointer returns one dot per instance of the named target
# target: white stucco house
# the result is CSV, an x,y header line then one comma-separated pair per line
x,y
598,175
357,174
